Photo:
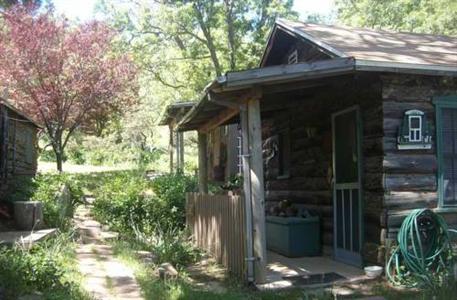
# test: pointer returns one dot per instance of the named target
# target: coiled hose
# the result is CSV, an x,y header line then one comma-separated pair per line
x,y
423,256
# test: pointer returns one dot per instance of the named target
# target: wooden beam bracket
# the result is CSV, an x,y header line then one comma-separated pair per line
x,y
213,98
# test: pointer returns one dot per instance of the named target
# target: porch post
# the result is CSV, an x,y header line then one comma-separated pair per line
x,y
171,146
181,150
202,163
254,184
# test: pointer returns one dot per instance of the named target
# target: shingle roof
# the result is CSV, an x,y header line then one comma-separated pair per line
x,y
378,45
173,110
17,111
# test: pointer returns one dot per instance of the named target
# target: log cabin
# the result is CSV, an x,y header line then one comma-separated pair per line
x,y
18,147
358,125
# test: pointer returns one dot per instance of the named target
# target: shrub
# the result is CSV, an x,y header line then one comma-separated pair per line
x,y
130,203
173,245
151,212
171,191
122,203
47,192
45,188
48,268
47,155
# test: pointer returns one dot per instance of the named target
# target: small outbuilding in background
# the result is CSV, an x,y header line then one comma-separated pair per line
x,y
18,147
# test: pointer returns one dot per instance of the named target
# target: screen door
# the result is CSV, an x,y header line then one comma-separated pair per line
x,y
347,206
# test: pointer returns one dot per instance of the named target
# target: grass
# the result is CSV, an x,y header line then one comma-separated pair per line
x,y
154,288
445,293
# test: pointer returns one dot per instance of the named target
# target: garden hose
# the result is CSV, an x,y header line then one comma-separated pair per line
x,y
423,256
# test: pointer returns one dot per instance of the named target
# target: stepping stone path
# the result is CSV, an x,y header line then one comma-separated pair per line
x,y
105,277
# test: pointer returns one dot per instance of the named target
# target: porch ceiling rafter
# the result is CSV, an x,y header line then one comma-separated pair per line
x,y
220,119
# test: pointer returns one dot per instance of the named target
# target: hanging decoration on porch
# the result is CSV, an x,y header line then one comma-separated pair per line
x,y
414,131
270,150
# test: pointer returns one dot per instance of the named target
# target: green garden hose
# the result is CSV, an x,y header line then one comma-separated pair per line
x,y
423,256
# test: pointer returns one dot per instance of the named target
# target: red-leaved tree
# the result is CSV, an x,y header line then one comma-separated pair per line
x,y
65,77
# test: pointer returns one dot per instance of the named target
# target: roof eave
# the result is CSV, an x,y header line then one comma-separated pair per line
x,y
167,114
270,75
5,102
404,68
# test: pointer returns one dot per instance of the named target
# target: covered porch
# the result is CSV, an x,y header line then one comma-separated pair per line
x,y
284,272
295,122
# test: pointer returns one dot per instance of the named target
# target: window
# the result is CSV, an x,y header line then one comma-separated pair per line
x,y
446,119
414,131
283,154
293,58
415,128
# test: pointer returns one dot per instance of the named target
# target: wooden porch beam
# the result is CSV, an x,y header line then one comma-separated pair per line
x,y
221,118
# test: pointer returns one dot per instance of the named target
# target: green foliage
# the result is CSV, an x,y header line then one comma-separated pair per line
x,y
47,155
171,191
47,268
422,16
122,203
180,46
150,212
112,149
46,189
130,203
173,245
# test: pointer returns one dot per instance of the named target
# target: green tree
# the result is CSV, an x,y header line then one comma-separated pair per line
x,y
181,45
421,16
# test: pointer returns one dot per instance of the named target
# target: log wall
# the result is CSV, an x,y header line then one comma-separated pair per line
x,y
410,176
309,182
21,152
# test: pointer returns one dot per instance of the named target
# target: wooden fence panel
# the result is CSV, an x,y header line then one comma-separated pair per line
x,y
217,225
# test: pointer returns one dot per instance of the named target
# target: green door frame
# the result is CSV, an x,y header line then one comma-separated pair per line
x,y
440,103
349,257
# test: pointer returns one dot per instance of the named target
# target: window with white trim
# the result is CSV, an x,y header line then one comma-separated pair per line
x,y
415,128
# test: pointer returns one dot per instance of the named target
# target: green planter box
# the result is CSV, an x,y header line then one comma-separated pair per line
x,y
293,237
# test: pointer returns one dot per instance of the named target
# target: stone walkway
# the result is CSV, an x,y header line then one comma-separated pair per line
x,y
105,277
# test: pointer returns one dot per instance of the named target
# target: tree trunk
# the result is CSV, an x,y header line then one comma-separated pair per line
x,y
229,6
59,160
58,150
209,40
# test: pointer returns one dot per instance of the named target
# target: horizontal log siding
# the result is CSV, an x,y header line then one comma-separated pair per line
x,y
22,153
217,225
410,176
309,183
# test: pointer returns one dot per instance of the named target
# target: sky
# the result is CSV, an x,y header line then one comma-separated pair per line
x,y
84,9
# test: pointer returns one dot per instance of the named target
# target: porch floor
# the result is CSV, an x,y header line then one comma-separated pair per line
x,y
280,266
